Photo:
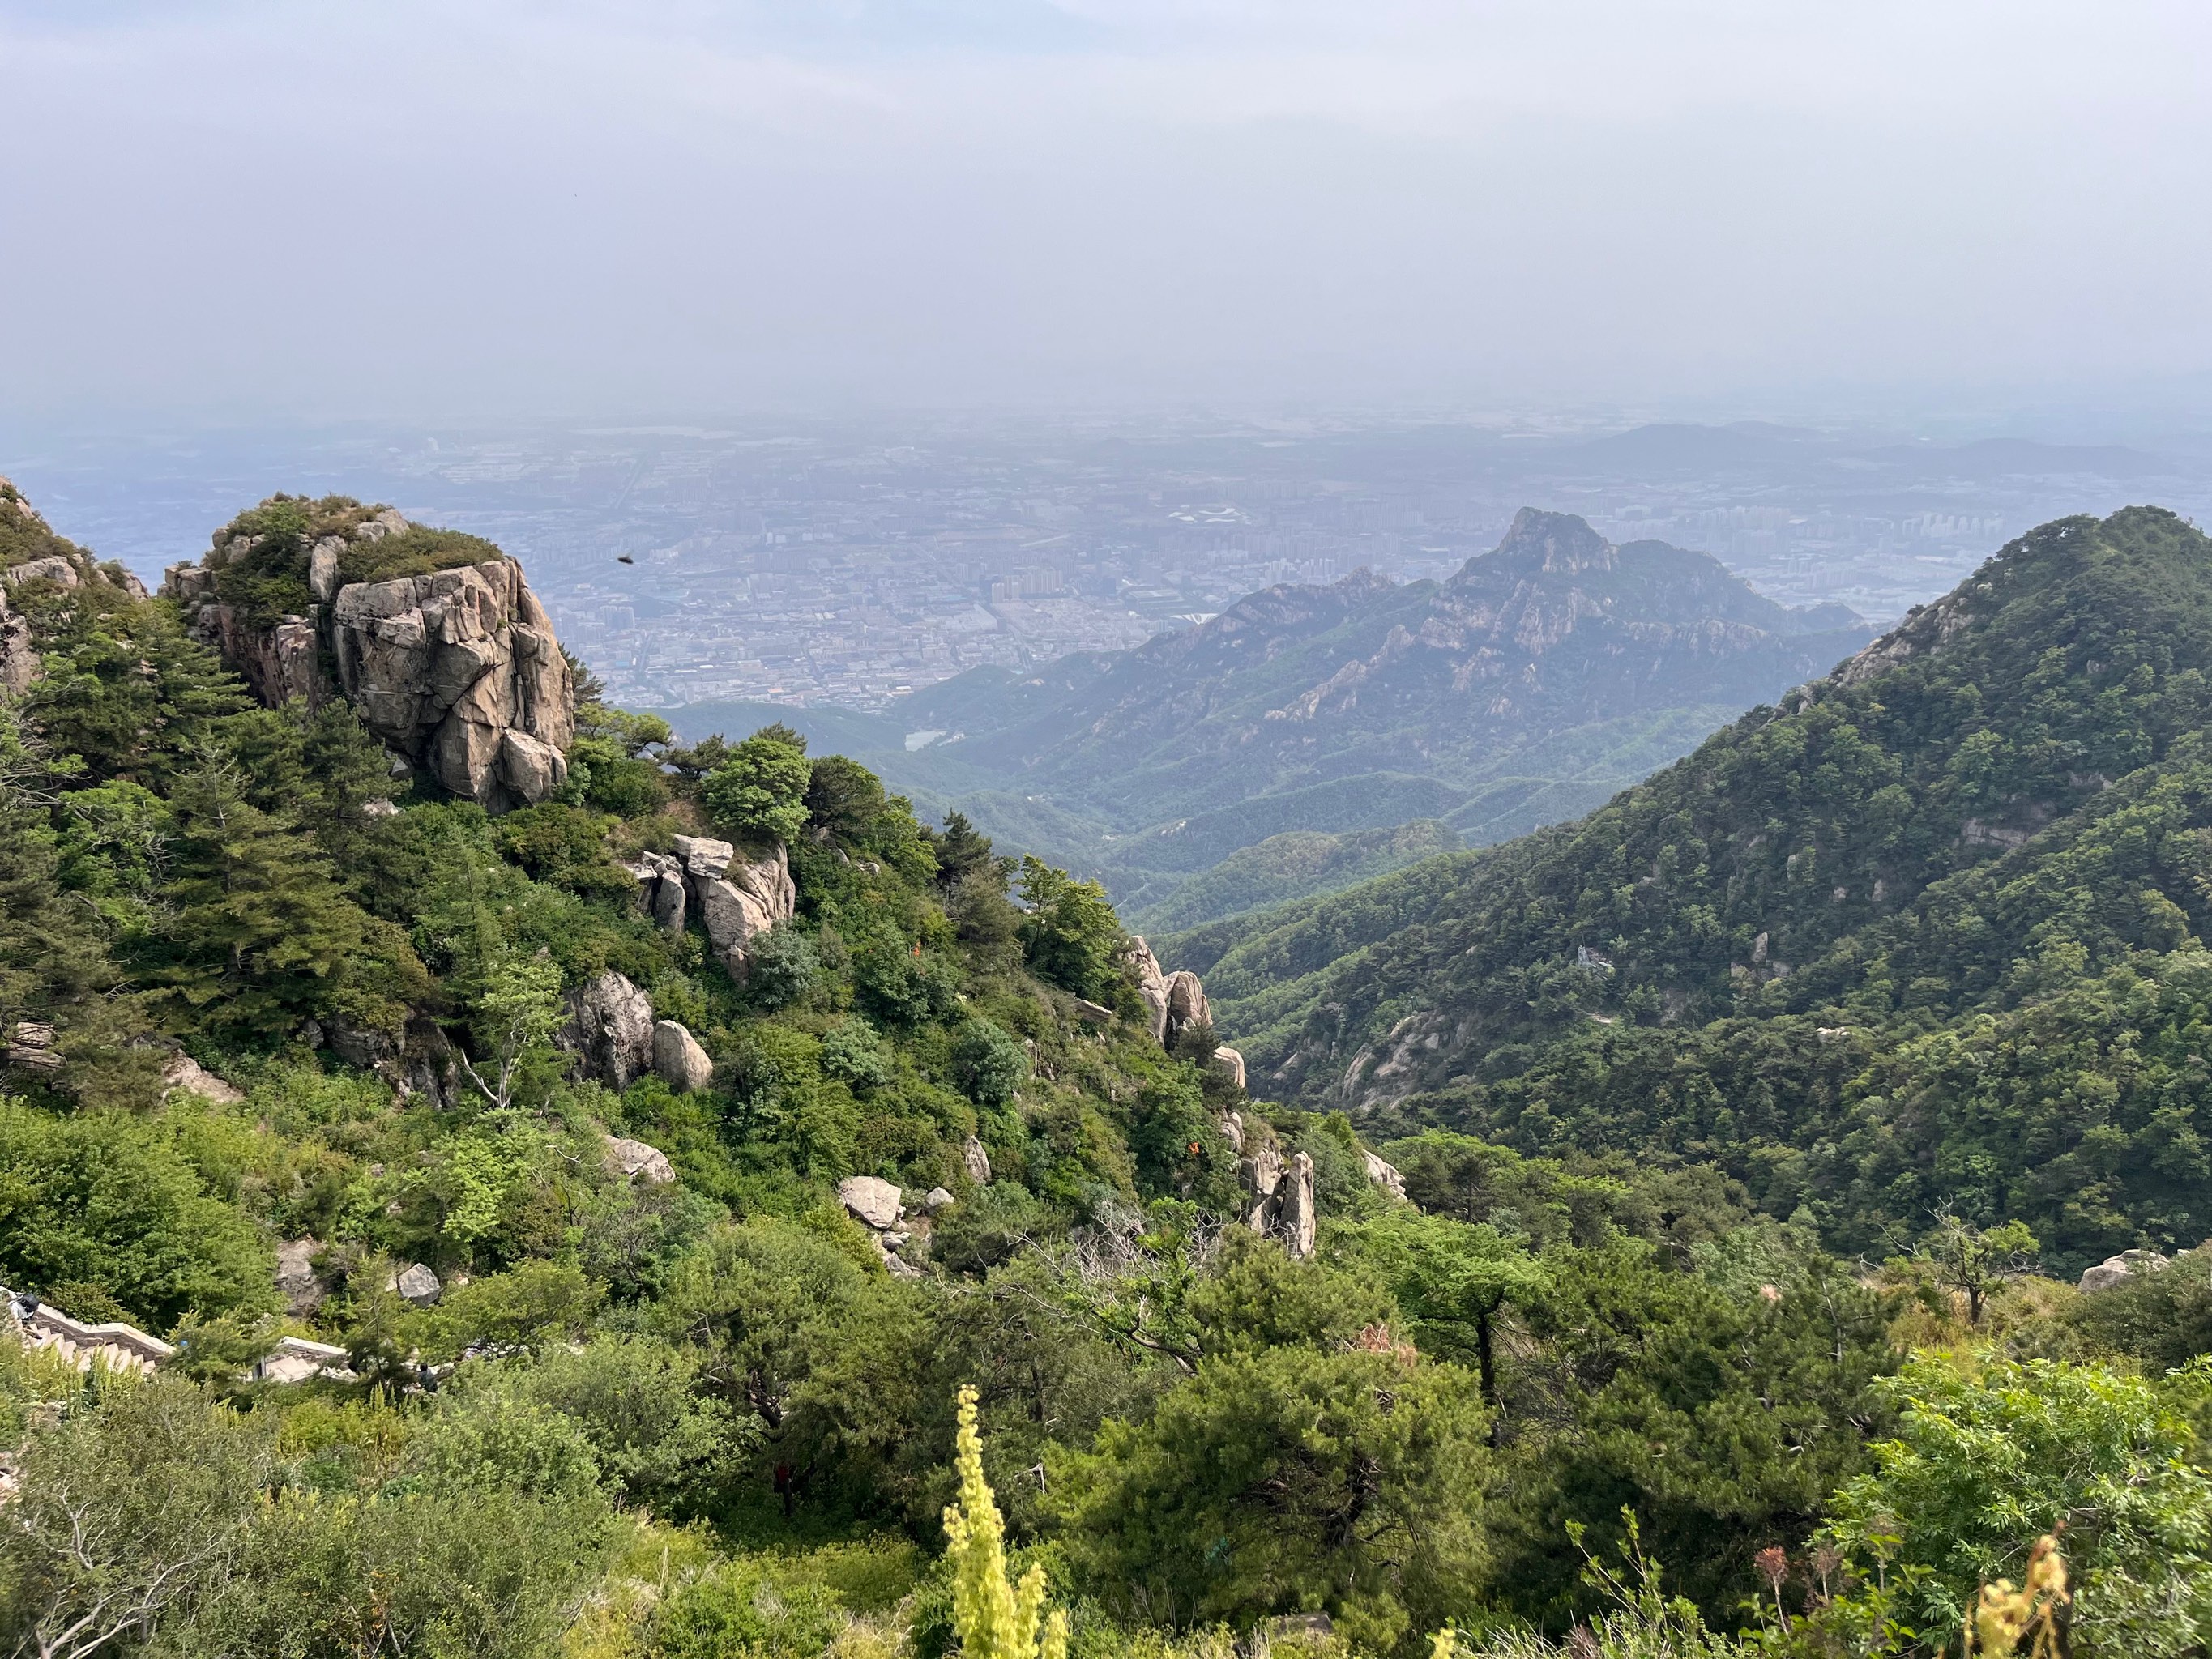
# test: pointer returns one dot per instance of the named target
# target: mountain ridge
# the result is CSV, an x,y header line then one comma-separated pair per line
x,y
1795,875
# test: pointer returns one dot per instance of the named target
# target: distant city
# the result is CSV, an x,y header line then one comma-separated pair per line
x,y
846,563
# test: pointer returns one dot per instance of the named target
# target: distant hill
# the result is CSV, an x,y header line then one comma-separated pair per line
x,y
1882,948
1536,682
1294,864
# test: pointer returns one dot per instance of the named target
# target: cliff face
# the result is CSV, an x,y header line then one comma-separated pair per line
x,y
454,665
460,672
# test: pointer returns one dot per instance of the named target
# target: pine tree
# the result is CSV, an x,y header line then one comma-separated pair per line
x,y
264,935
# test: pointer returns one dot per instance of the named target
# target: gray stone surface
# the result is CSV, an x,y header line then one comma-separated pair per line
x,y
303,1289
739,904
1186,1004
2119,1269
1384,1175
183,1072
976,1161
456,671
1231,1064
1151,985
610,1030
677,1056
636,1161
418,1285
871,1201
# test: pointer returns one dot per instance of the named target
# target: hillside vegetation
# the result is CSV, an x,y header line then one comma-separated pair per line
x,y
667,1358
1928,931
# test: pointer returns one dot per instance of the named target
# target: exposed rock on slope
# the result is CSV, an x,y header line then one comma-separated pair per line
x,y
454,665
460,672
610,1028
735,900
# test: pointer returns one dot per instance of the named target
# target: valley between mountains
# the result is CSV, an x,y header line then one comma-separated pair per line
x,y
485,1173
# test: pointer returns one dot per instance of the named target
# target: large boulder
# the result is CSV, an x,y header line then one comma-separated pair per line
x,y
2116,1270
877,1203
610,1030
1151,985
183,1072
300,1286
458,672
737,900
660,890
1186,1005
1278,1197
1384,1175
1231,1064
639,1162
677,1056
417,1284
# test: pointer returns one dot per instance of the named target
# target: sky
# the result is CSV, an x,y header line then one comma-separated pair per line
x,y
249,209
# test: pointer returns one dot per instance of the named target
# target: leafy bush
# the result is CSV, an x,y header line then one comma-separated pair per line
x,y
1989,1458
1070,934
988,1065
758,794
105,1200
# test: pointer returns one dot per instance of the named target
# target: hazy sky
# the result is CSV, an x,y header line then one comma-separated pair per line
x,y
431,209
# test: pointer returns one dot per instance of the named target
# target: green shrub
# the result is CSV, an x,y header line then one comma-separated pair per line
x,y
989,1066
759,793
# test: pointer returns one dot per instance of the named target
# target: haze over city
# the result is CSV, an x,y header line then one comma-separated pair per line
x,y
233,209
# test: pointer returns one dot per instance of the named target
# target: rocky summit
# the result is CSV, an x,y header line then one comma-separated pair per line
x,y
440,645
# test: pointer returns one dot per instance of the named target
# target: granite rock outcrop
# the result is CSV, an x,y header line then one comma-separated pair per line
x,y
736,900
457,671
609,1029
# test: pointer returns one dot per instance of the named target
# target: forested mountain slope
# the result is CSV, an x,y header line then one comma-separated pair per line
x,y
1826,947
561,1227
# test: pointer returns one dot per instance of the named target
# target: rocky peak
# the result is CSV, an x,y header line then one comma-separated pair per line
x,y
1555,543
434,637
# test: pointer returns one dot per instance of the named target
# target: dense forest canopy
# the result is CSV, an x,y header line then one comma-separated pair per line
x,y
572,1228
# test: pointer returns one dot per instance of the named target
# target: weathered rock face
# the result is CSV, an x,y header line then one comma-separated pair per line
x,y
417,1284
636,1161
458,671
303,1288
1151,985
881,1208
183,1072
19,658
1231,1064
735,900
1186,1005
2116,1270
976,1161
678,1057
609,1029
1279,1197
876,1202
1384,1175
